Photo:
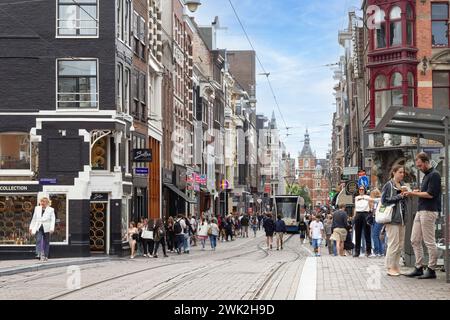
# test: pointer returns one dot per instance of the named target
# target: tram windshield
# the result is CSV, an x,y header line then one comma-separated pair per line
x,y
287,207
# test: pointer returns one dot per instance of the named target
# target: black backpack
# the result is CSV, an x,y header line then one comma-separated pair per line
x,y
177,227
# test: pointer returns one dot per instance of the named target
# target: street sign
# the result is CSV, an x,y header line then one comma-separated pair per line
x,y
47,181
351,187
363,181
345,177
350,170
143,171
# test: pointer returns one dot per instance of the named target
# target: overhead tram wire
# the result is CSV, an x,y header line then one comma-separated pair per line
x,y
19,2
259,61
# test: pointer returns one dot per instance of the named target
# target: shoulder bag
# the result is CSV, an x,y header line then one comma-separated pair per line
x,y
383,213
147,234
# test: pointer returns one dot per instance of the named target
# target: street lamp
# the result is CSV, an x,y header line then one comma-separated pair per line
x,y
192,5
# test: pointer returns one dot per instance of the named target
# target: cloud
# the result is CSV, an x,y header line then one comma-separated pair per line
x,y
294,40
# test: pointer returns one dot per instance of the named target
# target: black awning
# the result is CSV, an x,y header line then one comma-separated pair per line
x,y
179,193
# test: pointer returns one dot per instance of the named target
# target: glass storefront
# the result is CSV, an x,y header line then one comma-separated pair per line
x,y
124,212
16,212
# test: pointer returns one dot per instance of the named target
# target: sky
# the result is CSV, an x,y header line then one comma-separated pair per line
x,y
294,39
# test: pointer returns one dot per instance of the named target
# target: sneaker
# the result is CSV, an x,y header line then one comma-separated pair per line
x,y
155,256
145,256
166,256
373,255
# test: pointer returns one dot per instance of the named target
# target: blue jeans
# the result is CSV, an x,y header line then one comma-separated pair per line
x,y
180,241
316,243
186,244
42,242
378,245
213,240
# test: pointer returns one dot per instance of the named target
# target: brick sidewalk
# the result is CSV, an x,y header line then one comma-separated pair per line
x,y
348,278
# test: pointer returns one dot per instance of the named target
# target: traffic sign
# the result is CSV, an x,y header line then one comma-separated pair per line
x,y
363,181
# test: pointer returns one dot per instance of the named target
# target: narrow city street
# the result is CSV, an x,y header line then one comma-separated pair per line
x,y
241,269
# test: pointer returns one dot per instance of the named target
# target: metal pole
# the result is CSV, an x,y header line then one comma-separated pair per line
x,y
446,204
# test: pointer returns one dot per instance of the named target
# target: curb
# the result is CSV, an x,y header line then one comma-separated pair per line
x,y
45,266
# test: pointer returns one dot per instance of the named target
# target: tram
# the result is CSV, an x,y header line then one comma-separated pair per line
x,y
289,209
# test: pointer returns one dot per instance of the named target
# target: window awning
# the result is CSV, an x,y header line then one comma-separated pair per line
x,y
180,193
407,121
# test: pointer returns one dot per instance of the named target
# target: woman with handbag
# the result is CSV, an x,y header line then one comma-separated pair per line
x,y
147,238
203,231
393,201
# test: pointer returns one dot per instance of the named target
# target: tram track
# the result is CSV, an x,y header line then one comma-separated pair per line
x,y
258,295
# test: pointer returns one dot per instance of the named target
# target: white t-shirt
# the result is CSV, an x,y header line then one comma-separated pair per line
x,y
362,203
316,228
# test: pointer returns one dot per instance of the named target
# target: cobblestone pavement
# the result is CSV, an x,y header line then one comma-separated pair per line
x,y
241,269
348,278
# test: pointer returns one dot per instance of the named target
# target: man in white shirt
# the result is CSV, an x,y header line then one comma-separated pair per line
x,y
42,225
363,206
316,233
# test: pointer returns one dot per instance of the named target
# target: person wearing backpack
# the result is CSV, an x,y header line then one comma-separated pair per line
x,y
179,228
244,225
159,237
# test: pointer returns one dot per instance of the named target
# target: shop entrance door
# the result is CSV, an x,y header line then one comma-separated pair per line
x,y
97,233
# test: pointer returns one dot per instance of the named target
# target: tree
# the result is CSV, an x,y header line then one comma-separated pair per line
x,y
297,190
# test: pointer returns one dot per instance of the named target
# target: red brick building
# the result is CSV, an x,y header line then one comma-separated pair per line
x,y
313,174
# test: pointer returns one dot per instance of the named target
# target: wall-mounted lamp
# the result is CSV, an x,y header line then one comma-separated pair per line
x,y
423,1
425,63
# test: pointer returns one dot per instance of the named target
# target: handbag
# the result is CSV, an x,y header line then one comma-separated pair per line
x,y
147,234
383,213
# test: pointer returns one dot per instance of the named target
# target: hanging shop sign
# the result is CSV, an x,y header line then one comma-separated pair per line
x,y
142,155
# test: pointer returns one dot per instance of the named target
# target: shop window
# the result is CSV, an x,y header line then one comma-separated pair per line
x,y
125,218
380,31
15,151
395,27
441,90
100,155
77,19
16,213
439,24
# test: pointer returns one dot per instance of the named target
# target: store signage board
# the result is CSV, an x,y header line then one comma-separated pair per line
x,y
19,188
142,155
350,170
143,171
47,181
351,187
99,197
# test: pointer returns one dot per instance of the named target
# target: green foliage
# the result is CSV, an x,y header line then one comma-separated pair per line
x,y
297,190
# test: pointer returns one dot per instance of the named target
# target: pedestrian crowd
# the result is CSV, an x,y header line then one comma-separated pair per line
x,y
377,224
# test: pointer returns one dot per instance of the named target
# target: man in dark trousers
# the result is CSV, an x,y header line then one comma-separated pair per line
x,y
424,223
280,229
